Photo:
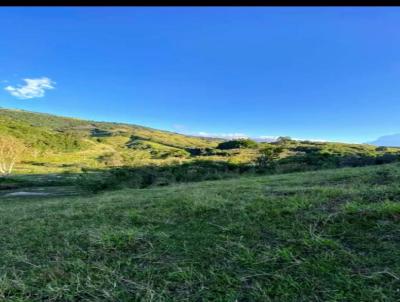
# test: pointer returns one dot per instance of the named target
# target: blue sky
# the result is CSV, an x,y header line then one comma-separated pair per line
x,y
312,73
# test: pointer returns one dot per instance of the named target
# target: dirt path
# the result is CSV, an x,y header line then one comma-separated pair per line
x,y
40,191
22,193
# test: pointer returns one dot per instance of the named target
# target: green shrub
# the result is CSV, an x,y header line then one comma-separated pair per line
x,y
96,182
143,177
267,159
206,152
237,143
381,149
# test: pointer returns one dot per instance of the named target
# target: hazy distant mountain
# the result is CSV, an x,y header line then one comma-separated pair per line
x,y
392,140
264,139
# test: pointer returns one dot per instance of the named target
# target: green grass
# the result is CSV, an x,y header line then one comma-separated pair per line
x,y
316,236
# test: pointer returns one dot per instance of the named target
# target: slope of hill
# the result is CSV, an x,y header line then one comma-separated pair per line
x,y
58,144
90,129
388,140
316,236
55,141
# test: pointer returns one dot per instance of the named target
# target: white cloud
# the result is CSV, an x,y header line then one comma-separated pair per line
x,y
274,138
261,138
222,135
33,88
267,137
310,139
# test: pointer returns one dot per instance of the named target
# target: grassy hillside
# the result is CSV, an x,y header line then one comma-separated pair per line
x,y
58,144
316,236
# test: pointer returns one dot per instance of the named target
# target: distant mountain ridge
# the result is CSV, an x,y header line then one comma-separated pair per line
x,y
392,140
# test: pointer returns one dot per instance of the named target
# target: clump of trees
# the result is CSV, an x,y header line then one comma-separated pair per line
x,y
206,152
237,143
11,151
381,149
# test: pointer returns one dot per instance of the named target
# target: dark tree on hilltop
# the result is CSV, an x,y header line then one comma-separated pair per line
x,y
237,143
284,139
381,148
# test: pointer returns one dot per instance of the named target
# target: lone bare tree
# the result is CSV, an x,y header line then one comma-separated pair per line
x,y
11,150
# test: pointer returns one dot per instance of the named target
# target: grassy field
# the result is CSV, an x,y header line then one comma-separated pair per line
x,y
329,235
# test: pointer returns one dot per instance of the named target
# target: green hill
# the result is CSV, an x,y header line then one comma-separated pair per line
x,y
316,236
59,144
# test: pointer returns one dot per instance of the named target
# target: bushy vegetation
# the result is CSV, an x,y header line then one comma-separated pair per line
x,y
237,143
314,236
268,162
36,137
147,176
268,159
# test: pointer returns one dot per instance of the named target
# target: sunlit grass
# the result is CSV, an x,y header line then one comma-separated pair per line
x,y
316,236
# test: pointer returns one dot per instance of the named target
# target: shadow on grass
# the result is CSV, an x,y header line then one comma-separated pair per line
x,y
96,180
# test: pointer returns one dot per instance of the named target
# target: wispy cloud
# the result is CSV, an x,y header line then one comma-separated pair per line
x,y
267,137
222,135
33,88
310,139
261,138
